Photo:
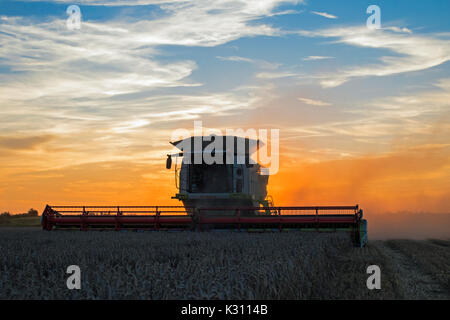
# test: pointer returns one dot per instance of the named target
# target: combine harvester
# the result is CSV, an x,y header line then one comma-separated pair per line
x,y
232,196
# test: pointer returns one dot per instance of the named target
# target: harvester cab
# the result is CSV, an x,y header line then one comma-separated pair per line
x,y
218,171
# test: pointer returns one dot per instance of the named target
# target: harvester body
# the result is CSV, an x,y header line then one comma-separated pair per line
x,y
233,180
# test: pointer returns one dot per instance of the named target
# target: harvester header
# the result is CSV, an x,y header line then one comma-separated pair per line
x,y
179,218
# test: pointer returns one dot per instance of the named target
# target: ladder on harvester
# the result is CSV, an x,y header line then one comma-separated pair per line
x,y
268,203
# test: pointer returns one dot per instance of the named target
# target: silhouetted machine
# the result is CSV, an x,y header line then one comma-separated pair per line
x,y
228,194
232,180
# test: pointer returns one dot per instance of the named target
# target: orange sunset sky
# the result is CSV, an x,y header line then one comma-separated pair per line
x,y
86,115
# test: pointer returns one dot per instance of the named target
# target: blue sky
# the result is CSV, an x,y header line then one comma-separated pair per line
x,y
289,46
134,73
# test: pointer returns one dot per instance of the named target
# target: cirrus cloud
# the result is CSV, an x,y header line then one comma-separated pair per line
x,y
324,14
410,52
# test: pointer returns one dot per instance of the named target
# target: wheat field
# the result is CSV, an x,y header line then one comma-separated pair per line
x,y
216,265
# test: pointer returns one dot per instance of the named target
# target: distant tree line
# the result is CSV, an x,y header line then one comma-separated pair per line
x,y
31,213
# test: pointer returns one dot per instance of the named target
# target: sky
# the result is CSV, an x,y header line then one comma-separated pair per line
x,y
86,115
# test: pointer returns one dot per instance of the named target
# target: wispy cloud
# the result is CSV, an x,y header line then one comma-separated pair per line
x,y
111,2
23,142
411,52
275,75
235,59
398,29
324,14
92,91
50,61
314,102
258,62
420,115
314,58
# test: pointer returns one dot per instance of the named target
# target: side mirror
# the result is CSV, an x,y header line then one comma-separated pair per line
x,y
169,162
